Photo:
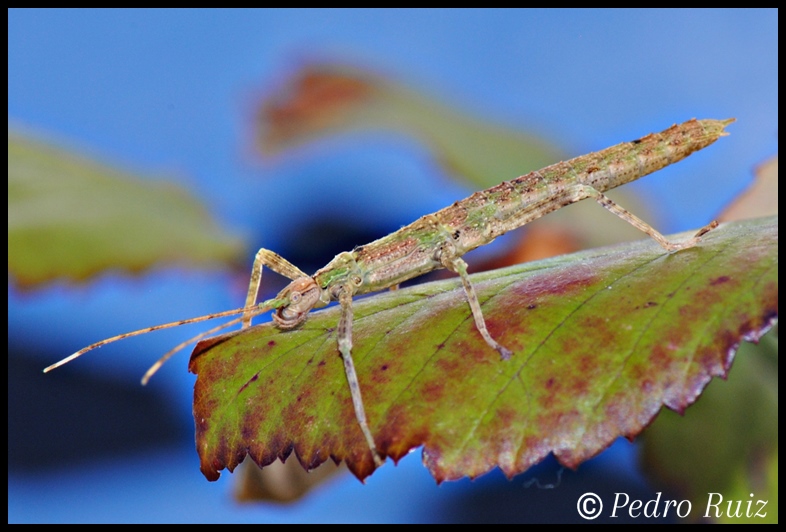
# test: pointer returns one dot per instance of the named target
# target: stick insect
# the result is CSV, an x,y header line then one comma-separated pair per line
x,y
439,240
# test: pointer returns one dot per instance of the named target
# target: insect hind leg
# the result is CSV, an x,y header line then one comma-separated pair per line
x,y
643,226
275,262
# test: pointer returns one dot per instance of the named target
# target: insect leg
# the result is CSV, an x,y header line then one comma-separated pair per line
x,y
457,265
345,347
275,262
640,224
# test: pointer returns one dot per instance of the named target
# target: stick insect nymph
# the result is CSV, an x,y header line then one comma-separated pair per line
x,y
439,240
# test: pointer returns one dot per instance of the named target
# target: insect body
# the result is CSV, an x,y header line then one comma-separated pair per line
x,y
440,239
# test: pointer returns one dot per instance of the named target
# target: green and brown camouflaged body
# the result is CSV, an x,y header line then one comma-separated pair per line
x,y
479,219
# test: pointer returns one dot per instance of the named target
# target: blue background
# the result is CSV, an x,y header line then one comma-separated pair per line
x,y
171,93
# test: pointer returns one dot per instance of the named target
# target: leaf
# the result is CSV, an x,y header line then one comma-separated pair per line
x,y
70,218
760,198
280,482
601,339
326,99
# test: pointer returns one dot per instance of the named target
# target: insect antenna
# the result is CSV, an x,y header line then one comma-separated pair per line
x,y
160,362
257,309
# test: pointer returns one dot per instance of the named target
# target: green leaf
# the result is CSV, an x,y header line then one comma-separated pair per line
x,y
602,340
70,218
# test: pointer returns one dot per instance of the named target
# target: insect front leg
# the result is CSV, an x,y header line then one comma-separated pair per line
x,y
641,225
459,266
275,262
345,348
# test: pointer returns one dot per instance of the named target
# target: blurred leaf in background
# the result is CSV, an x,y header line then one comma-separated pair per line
x,y
72,218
